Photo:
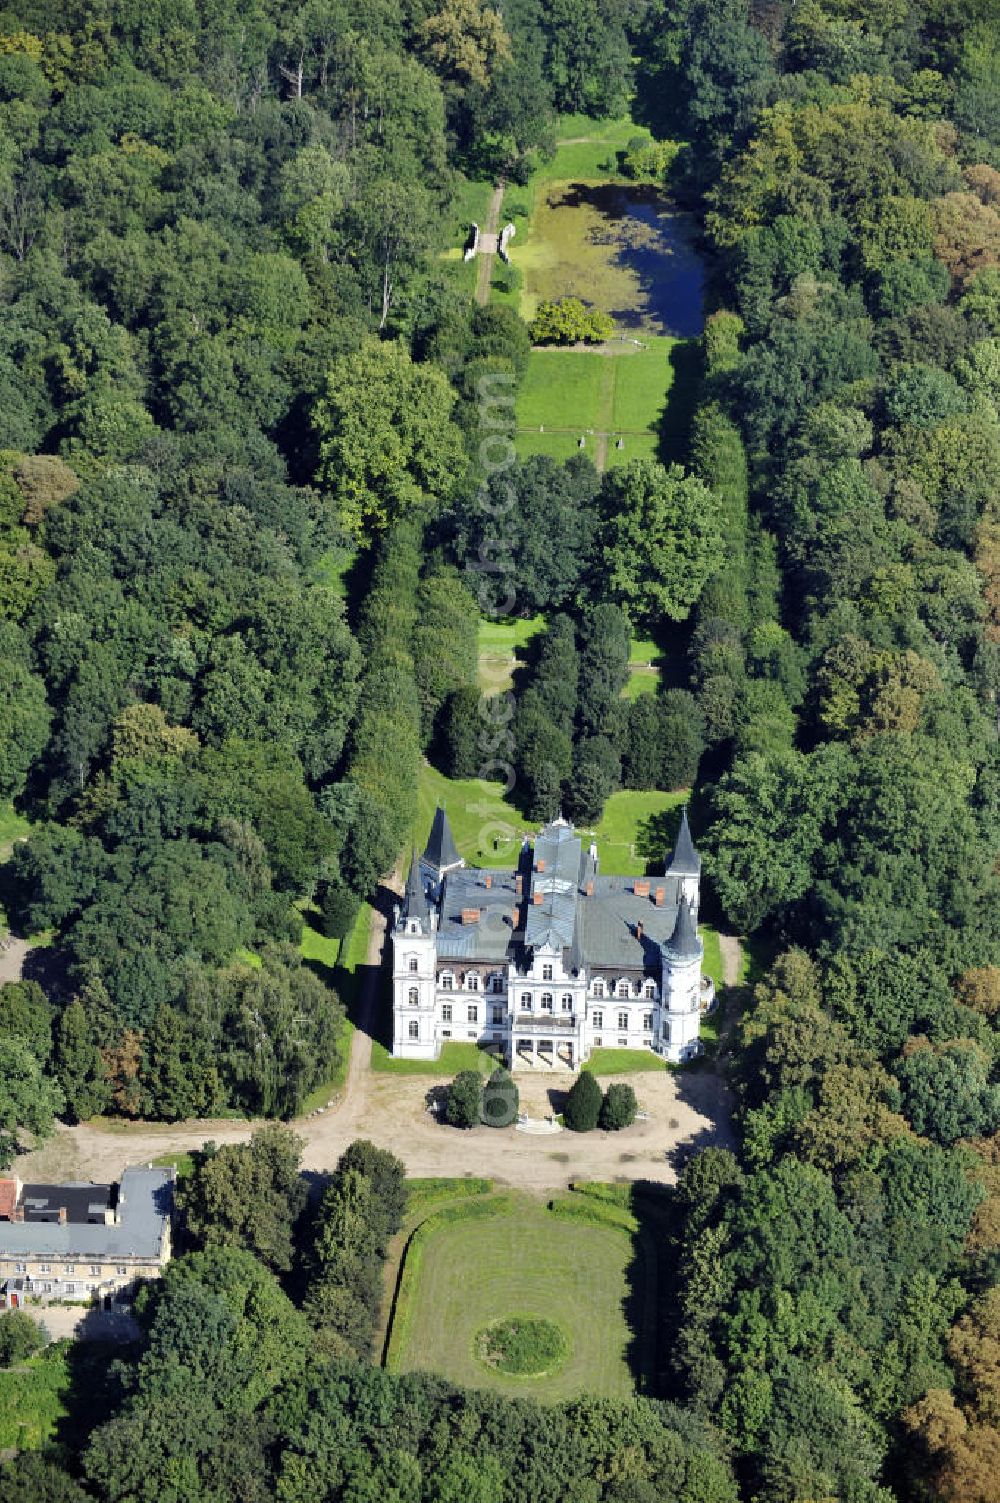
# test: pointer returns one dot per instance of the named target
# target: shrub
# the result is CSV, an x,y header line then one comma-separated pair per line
x,y
465,1099
500,1100
569,320
583,1104
618,1108
650,159
19,1337
523,1345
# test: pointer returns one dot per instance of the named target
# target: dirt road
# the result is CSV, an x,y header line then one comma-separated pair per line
x,y
484,271
686,1110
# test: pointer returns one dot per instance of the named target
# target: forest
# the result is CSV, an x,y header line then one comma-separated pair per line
x,y
241,509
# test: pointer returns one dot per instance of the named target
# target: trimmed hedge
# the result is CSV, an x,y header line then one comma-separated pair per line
x,y
598,1189
401,1316
593,1212
423,1193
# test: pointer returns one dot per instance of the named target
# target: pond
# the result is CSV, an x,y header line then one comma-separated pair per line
x,y
624,250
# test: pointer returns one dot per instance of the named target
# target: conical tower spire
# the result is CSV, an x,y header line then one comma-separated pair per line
x,y
416,898
684,943
441,852
685,861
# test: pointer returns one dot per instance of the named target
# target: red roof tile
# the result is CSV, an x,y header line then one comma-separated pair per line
x,y
8,1197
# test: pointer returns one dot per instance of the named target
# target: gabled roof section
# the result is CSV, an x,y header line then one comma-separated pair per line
x,y
684,943
416,898
685,861
441,851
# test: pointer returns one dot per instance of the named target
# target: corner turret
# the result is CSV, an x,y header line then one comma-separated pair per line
x,y
684,868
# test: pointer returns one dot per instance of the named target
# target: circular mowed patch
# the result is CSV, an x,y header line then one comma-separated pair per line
x,y
523,1346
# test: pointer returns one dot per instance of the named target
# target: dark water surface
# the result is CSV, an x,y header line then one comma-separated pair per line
x,y
650,248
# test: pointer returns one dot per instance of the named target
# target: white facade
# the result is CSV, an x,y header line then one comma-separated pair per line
x,y
548,961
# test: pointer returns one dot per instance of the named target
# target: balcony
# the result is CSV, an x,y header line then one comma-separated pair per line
x,y
534,1022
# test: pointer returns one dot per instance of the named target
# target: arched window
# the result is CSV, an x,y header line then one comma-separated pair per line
x,y
598,988
546,1001
414,997
650,989
413,963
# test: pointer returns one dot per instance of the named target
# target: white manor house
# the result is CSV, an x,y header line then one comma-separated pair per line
x,y
548,961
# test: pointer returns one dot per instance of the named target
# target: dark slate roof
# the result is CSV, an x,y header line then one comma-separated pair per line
x,y
416,898
684,943
493,935
83,1203
685,862
619,928
441,851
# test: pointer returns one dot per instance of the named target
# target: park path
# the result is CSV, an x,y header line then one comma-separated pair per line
x,y
484,275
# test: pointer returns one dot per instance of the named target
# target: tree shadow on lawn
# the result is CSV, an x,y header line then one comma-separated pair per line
x,y
650,1278
682,398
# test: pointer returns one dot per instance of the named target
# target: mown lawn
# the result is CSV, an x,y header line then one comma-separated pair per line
x,y
623,394
501,643
523,1262
454,1057
337,963
623,1062
566,389
487,828
636,832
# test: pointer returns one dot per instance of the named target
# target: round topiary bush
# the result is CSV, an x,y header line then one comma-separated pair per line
x,y
500,1099
583,1104
618,1108
524,1346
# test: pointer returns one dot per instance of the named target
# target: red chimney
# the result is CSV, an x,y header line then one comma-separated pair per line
x,y
518,885
489,880
470,915
641,889
589,889
661,893
540,865
537,899
62,1215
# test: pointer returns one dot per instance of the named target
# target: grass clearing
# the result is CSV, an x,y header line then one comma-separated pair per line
x,y
13,826
522,1262
182,1162
487,828
501,643
337,962
624,393
636,832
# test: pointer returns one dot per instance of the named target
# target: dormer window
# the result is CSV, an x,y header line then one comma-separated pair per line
x,y
472,982
623,988
598,988
651,989
447,981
